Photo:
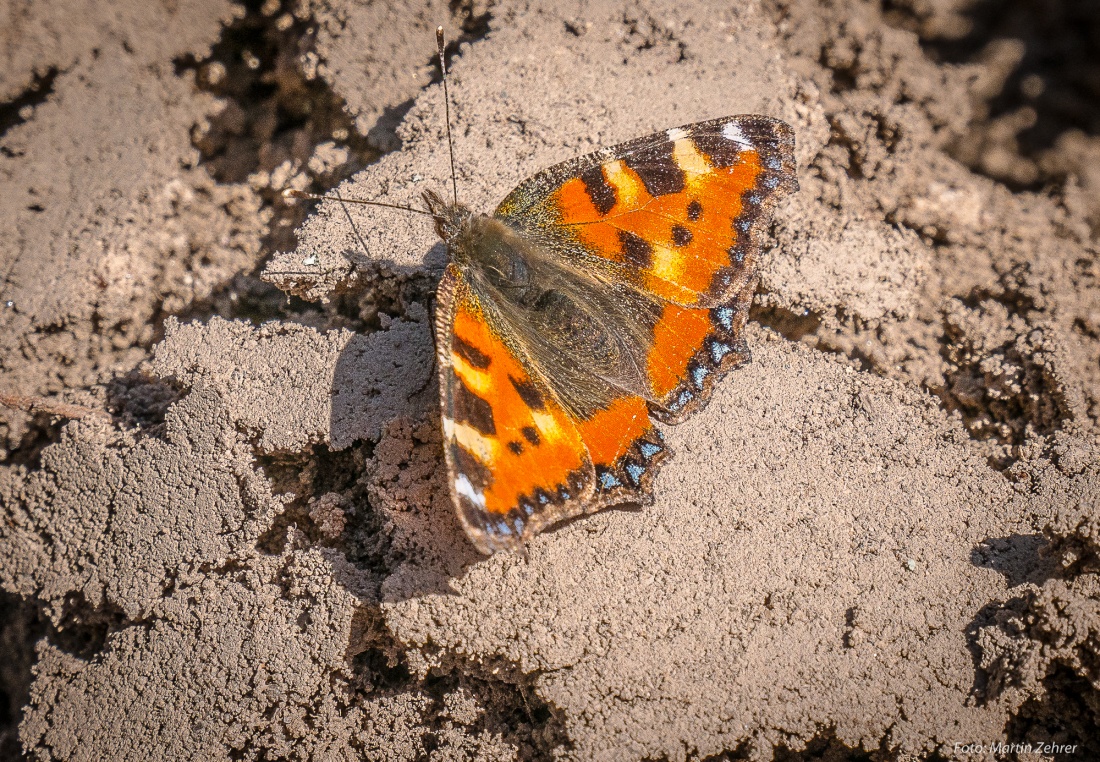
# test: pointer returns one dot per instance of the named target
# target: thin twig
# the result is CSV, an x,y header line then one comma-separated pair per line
x,y
51,407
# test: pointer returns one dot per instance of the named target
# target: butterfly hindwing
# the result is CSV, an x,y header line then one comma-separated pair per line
x,y
693,348
626,450
518,461
677,214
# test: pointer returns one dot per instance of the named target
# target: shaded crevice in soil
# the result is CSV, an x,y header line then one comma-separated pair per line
x,y
42,430
330,506
274,111
826,747
283,126
494,698
382,297
1043,644
642,31
21,626
807,328
19,109
999,377
1063,712
1042,79
140,402
791,325
730,755
1066,716
823,747
1015,556
988,683
474,21
83,628
842,335
511,708
280,126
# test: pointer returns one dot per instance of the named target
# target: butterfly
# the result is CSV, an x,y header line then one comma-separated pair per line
x,y
603,294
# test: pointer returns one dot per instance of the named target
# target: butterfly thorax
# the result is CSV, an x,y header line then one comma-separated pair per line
x,y
486,250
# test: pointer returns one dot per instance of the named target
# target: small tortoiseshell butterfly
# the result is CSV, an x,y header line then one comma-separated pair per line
x,y
604,292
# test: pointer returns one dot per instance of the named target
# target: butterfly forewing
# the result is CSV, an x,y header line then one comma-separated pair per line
x,y
678,213
516,461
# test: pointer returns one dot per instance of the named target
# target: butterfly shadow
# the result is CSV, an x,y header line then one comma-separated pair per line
x,y
1018,557
385,404
434,263
384,412
388,373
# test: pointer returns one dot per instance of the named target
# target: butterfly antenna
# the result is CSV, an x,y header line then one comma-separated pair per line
x,y
439,43
291,193
354,227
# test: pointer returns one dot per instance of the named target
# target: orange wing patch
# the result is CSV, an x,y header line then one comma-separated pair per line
x,y
609,433
677,211
692,350
516,460
625,449
519,462
670,239
676,338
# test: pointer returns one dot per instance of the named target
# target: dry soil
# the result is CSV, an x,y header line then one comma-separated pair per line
x,y
225,530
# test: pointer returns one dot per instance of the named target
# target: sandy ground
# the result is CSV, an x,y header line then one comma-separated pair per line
x,y
226,534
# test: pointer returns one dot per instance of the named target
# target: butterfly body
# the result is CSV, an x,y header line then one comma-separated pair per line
x,y
604,292
578,328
